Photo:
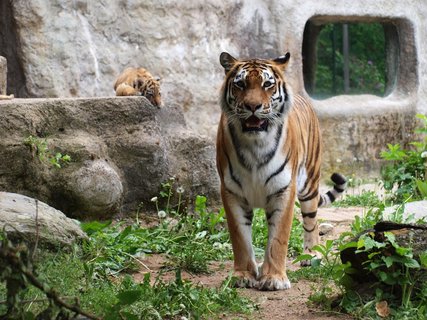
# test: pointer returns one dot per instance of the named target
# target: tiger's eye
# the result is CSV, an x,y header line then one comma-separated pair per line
x,y
268,84
240,84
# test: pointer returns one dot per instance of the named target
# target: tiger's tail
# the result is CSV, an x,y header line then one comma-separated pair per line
x,y
340,184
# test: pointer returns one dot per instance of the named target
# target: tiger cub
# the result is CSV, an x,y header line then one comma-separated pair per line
x,y
139,82
268,154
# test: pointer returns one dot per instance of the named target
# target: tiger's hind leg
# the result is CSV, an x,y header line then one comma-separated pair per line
x,y
310,225
309,205
125,89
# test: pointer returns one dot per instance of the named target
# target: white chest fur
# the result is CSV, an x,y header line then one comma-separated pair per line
x,y
257,167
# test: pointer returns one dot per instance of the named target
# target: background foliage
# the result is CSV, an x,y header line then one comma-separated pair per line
x,y
367,60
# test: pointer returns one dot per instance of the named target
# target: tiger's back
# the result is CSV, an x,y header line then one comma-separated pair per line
x,y
268,154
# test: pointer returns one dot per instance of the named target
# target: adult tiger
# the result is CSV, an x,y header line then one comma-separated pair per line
x,y
268,154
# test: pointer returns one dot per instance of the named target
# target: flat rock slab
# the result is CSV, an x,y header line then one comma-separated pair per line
x,y
416,209
18,219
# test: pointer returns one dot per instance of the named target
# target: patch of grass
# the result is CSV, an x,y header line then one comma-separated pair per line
x,y
122,298
367,199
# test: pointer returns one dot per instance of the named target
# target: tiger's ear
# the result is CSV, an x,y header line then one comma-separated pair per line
x,y
227,61
157,78
282,61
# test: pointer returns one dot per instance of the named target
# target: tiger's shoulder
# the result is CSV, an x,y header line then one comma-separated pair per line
x,y
138,82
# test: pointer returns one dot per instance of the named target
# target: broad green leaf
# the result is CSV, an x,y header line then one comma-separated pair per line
x,y
129,296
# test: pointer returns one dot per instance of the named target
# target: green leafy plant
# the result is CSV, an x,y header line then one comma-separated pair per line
x,y
405,167
365,199
397,268
328,270
41,149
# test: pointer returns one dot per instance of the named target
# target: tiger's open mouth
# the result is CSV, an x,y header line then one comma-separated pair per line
x,y
254,123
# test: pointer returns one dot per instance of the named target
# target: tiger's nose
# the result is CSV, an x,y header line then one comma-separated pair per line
x,y
253,107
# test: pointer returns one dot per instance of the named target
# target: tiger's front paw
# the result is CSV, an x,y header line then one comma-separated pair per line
x,y
245,279
274,282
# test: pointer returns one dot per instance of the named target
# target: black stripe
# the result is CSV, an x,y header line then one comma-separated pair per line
x,y
236,145
276,193
338,189
330,196
310,197
230,168
269,215
285,92
306,230
241,199
338,179
249,215
271,154
310,215
275,173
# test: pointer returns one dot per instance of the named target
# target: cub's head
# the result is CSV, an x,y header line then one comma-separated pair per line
x,y
149,88
254,91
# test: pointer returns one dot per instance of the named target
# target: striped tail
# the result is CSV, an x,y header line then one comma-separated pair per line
x,y
340,184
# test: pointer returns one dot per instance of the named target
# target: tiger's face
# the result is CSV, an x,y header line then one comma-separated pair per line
x,y
149,88
254,92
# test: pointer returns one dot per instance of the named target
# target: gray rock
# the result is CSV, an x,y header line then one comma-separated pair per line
x,y
121,150
18,219
3,75
325,228
414,211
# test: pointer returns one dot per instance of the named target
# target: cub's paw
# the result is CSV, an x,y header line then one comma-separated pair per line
x,y
273,282
245,279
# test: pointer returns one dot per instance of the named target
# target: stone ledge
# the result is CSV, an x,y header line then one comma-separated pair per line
x,y
122,149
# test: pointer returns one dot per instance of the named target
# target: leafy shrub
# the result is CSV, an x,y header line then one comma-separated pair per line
x,y
405,167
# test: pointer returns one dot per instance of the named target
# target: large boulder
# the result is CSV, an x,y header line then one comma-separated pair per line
x,y
28,219
121,150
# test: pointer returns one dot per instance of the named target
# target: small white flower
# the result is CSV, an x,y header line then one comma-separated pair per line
x,y
153,199
161,214
201,234
339,160
180,190
217,245
424,154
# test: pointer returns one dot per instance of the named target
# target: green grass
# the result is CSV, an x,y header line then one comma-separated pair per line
x,y
367,199
98,271
108,297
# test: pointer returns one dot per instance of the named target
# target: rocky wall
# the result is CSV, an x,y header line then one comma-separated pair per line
x,y
121,150
77,48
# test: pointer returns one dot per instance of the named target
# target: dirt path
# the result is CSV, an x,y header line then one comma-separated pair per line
x,y
288,304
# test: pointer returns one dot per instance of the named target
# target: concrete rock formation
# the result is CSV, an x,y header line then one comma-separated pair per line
x,y
18,218
121,150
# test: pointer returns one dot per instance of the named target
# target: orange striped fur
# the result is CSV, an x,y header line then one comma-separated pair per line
x,y
268,155
138,82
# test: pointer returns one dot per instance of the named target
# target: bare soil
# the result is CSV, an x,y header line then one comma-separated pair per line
x,y
289,304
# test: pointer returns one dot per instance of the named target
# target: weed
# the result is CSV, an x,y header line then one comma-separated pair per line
x,y
365,199
45,155
406,167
